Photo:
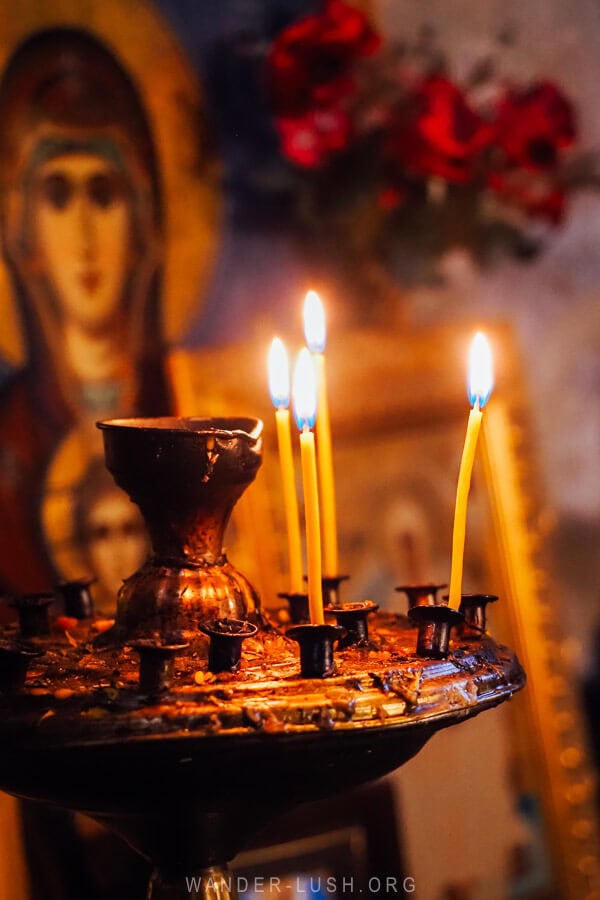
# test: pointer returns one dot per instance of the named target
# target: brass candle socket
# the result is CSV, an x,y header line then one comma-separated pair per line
x,y
297,607
226,637
331,589
15,659
435,624
157,665
76,597
33,613
474,609
353,618
316,648
421,594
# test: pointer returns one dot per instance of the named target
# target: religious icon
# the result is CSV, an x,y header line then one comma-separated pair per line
x,y
83,220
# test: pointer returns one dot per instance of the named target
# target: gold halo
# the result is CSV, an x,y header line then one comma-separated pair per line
x,y
143,43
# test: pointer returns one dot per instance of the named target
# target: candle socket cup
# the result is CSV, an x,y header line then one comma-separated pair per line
x,y
316,648
157,665
474,609
76,597
226,637
422,594
33,613
331,589
353,618
15,659
297,606
435,624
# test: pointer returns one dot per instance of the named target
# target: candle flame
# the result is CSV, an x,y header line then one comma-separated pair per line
x,y
481,375
315,330
279,374
304,390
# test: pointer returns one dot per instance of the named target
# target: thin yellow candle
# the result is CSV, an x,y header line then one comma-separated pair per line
x,y
305,405
480,387
279,387
316,333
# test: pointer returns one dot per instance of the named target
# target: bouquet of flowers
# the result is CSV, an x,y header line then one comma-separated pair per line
x,y
389,158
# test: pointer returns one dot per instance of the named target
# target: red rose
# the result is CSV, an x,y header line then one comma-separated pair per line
x,y
534,124
536,196
311,139
310,62
438,133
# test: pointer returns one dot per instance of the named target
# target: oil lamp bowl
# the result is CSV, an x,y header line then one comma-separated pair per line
x,y
186,475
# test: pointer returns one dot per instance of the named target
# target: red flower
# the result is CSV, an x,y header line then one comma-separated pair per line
x,y
311,139
390,198
438,133
534,124
537,197
310,62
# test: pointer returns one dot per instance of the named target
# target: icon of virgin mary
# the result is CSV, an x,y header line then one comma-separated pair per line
x,y
82,234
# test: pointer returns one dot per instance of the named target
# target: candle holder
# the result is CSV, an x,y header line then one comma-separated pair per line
x,y
316,648
297,606
353,618
157,665
331,589
226,637
33,613
435,624
164,761
474,609
15,659
186,475
76,597
422,594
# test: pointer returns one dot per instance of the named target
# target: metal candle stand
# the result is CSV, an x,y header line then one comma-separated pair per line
x,y
164,761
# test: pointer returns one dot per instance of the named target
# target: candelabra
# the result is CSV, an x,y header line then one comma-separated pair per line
x,y
190,722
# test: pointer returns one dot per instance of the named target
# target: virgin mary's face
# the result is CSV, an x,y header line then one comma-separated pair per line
x,y
81,221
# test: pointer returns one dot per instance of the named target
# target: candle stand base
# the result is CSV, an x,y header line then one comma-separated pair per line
x,y
214,883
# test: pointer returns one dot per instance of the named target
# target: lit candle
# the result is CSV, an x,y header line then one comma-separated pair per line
x,y
279,387
315,334
305,408
480,387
